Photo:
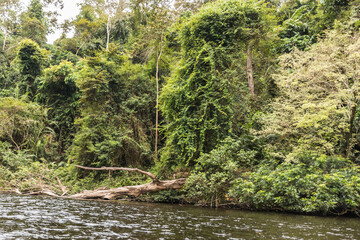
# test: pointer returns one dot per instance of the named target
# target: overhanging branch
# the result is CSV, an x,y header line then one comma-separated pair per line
x,y
149,174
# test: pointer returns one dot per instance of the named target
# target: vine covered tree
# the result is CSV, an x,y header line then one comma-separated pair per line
x,y
196,100
31,59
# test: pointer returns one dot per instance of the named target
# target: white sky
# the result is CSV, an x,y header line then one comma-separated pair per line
x,y
69,11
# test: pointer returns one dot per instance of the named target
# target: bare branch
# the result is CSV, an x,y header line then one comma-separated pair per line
x,y
149,174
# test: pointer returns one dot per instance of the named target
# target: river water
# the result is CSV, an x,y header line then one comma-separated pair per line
x,y
28,217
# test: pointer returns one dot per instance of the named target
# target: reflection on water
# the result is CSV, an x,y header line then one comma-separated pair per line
x,y
27,217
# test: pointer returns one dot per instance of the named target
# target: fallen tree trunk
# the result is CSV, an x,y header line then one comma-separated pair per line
x,y
115,193
137,190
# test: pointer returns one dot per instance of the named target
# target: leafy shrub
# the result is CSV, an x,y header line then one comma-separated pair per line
x,y
112,126
316,110
312,185
214,172
167,196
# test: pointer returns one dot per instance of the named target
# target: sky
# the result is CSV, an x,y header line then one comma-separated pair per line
x,y
69,11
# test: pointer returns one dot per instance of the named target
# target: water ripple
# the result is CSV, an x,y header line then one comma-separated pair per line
x,y
31,217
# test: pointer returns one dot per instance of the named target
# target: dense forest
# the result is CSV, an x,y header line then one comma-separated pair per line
x,y
254,102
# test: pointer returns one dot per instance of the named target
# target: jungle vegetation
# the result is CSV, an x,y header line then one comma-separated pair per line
x,y
255,102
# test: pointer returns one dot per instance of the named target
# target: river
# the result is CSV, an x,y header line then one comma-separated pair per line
x,y
29,217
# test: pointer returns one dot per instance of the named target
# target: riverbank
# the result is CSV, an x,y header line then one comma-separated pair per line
x,y
322,186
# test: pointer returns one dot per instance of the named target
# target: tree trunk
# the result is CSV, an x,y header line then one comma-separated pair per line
x,y
249,70
115,193
5,36
154,186
135,191
353,110
6,26
77,51
158,54
349,136
108,29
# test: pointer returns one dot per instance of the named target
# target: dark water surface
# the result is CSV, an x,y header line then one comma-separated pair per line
x,y
27,217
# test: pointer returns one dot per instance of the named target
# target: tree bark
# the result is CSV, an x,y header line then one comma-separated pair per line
x,y
108,29
6,26
157,95
5,35
249,70
115,193
154,186
110,194
353,109
77,50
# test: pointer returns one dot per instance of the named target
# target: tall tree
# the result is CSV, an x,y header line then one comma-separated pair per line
x,y
110,11
152,19
87,24
33,23
114,96
197,100
8,13
157,25
57,92
30,58
252,28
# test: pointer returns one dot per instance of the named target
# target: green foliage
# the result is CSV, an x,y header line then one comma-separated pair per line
x,y
9,76
30,176
13,160
9,11
33,25
197,121
88,32
210,181
318,103
196,100
166,196
315,184
30,59
112,101
98,106
21,123
35,10
296,34
59,52
120,32
334,6
58,92
299,25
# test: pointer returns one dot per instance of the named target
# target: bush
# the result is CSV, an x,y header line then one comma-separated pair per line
x,y
210,181
314,184
11,159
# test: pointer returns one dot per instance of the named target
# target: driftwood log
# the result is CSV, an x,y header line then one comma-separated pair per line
x,y
137,190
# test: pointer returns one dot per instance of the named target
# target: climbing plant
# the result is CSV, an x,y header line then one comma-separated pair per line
x,y
197,99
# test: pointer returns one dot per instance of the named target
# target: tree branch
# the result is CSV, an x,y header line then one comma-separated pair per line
x,y
149,174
